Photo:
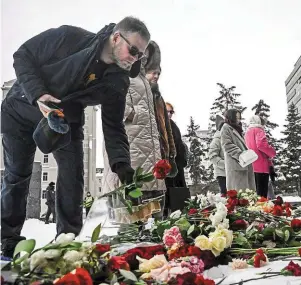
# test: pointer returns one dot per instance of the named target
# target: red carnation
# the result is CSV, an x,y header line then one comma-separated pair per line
x,y
146,252
84,276
294,268
299,251
118,262
262,200
243,202
191,278
192,212
232,193
277,210
102,248
278,201
239,225
183,251
161,169
70,279
296,224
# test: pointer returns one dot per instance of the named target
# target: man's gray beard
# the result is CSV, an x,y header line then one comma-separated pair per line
x,y
125,66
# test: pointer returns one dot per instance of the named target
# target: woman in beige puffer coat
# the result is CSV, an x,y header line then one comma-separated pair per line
x,y
141,127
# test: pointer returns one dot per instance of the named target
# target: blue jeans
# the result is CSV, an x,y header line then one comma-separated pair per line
x,y
18,154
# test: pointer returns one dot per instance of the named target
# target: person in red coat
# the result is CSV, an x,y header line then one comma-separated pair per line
x,y
256,140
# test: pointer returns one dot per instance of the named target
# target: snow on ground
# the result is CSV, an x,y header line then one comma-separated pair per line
x,y
38,230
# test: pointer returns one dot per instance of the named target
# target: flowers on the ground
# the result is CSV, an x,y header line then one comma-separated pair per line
x,y
296,224
192,212
173,237
292,269
259,259
102,248
78,276
118,262
65,238
238,263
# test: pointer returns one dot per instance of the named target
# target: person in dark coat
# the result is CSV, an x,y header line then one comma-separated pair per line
x,y
181,158
50,202
72,68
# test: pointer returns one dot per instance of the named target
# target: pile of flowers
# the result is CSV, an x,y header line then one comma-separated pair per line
x,y
240,229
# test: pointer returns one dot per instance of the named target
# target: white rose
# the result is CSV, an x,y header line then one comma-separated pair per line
x,y
25,264
86,244
73,256
175,215
38,260
52,253
64,238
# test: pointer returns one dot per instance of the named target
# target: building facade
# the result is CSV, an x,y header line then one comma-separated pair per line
x,y
293,86
48,164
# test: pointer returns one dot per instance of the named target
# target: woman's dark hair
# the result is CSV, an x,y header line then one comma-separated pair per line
x,y
230,116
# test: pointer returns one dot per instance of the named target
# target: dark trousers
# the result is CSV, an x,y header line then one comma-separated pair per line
x,y
18,154
50,210
87,210
222,184
262,184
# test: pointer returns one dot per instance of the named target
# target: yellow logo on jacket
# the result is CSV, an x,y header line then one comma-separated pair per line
x,y
91,77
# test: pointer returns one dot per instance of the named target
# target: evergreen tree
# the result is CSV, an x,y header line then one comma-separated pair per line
x,y
226,100
195,166
291,153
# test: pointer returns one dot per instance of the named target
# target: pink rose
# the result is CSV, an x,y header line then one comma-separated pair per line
x,y
174,231
169,240
179,239
194,260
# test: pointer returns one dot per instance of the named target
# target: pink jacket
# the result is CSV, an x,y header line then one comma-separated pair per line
x,y
256,140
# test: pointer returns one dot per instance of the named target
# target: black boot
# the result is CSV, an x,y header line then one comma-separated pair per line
x,y
8,246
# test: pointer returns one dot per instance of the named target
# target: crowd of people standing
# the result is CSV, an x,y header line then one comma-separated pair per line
x,y
230,143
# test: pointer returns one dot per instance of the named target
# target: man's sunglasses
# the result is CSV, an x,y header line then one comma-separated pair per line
x,y
133,50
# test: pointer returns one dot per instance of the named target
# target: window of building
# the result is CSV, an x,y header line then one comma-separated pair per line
x,y
44,194
86,118
86,131
86,145
45,176
46,158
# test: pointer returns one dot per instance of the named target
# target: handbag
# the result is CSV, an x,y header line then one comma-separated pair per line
x,y
247,157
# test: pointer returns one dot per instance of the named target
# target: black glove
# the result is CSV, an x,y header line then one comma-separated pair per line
x,y
174,169
273,174
125,172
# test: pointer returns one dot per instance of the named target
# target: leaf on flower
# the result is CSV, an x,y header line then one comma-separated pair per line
x,y
191,230
128,275
136,193
137,173
25,246
95,234
279,233
286,235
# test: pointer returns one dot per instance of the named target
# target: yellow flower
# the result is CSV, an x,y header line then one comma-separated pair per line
x,y
156,262
222,232
218,245
203,243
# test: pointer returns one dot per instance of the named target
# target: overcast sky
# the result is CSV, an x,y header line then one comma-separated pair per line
x,y
252,44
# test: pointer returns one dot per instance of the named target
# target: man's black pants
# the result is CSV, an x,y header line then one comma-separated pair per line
x,y
18,154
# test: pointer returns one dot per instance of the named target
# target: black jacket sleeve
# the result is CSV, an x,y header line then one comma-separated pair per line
x,y
32,55
112,112
116,140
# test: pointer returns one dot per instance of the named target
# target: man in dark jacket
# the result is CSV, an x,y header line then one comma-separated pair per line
x,y
72,68
50,202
